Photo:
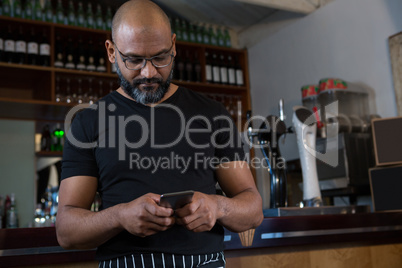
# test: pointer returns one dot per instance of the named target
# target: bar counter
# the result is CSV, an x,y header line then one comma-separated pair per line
x,y
38,246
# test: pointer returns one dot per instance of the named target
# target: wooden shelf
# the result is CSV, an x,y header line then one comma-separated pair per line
x,y
49,154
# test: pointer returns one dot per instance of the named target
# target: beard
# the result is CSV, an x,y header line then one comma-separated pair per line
x,y
148,94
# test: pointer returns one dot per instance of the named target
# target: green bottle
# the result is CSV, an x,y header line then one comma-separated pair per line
x,y
71,14
81,15
212,36
205,36
29,9
228,42
17,9
184,31
192,34
178,29
100,25
48,11
220,38
90,17
109,18
57,139
37,13
199,34
7,8
12,214
59,12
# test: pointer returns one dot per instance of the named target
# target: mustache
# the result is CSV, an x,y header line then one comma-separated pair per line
x,y
139,81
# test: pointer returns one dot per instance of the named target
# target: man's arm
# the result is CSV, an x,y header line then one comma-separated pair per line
x,y
240,210
78,227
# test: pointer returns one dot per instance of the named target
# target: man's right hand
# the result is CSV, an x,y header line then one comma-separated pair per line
x,y
143,216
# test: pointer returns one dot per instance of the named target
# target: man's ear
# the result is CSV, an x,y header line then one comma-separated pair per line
x,y
110,51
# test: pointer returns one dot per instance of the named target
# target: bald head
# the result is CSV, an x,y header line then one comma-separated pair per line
x,y
141,15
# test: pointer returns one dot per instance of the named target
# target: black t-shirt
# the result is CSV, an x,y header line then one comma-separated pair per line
x,y
134,149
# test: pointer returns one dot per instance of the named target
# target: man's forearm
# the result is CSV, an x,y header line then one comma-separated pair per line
x,y
79,228
241,212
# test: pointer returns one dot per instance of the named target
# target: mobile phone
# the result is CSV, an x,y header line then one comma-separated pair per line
x,y
176,200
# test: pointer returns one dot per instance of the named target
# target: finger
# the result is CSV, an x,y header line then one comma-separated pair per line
x,y
159,211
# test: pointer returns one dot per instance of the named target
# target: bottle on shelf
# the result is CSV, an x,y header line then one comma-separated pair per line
x,y
37,11
90,98
58,93
91,56
33,48
197,68
60,18
231,71
100,25
220,37
212,36
109,18
81,16
20,46
17,9
29,9
184,31
226,36
71,17
178,29
205,36
80,95
215,69
192,33
208,68
81,57
100,90
69,64
239,73
2,44
7,8
48,11
199,34
189,66
68,97
58,52
44,50
100,63
46,139
223,70
180,66
9,46
12,214
90,22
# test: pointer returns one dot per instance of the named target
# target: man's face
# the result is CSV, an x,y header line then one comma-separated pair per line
x,y
149,84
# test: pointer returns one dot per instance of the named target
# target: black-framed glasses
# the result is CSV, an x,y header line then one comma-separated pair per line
x,y
137,63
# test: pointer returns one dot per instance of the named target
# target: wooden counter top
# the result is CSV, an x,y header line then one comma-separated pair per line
x,y
38,246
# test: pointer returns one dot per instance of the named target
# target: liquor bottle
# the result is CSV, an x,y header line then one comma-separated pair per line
x,y
68,98
189,67
100,25
223,70
180,66
71,14
12,214
205,36
90,95
69,64
178,29
33,49
81,57
91,56
2,44
81,16
60,18
48,11
109,18
231,71
220,38
90,22
199,34
59,52
29,9
239,73
7,8
184,31
100,90
215,69
228,42
212,36
57,139
20,47
46,139
58,95
100,64
80,95
37,11
9,46
208,68
17,9
191,33
197,68
44,50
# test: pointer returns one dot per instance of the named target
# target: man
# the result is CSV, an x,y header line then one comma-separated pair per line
x,y
147,138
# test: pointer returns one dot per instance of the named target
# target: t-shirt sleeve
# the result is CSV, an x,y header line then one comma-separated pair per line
x,y
228,143
78,152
